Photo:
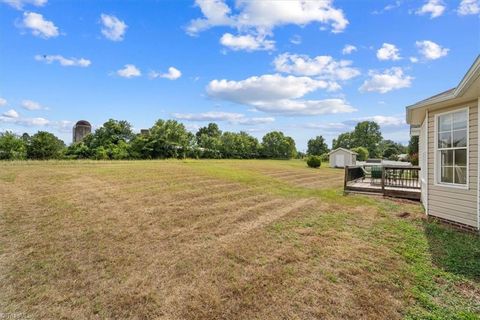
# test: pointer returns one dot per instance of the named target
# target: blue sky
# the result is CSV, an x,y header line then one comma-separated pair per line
x,y
304,67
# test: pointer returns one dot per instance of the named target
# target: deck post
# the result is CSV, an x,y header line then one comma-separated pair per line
x,y
345,179
383,180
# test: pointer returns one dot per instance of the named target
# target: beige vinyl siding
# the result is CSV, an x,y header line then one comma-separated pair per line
x,y
449,202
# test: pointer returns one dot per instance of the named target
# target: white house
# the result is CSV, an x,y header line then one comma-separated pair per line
x,y
340,157
447,125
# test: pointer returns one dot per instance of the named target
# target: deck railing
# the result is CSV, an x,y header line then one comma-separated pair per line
x,y
395,181
401,177
352,173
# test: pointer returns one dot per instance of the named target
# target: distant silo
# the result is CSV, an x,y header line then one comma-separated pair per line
x,y
80,130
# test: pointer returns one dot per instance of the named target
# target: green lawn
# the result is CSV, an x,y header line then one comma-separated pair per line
x,y
221,239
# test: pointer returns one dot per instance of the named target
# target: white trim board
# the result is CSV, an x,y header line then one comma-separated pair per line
x,y
427,119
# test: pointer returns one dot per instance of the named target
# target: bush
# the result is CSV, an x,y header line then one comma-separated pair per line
x,y
325,157
314,161
12,147
44,145
414,159
362,153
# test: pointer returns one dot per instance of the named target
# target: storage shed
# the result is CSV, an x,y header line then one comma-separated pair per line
x,y
339,158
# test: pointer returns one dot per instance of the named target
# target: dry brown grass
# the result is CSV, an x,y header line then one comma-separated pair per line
x,y
166,240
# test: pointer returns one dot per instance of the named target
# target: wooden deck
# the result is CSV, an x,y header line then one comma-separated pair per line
x,y
394,182
374,187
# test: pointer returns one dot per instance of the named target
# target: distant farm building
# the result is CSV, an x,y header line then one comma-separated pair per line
x,y
339,158
80,130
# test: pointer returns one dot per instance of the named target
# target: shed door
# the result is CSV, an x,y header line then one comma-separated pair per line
x,y
340,160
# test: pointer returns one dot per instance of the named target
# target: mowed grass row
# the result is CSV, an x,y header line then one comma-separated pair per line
x,y
221,239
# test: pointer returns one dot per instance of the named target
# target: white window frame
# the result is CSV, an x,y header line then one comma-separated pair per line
x,y
436,162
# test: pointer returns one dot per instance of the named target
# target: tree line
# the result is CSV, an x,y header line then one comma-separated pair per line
x,y
366,139
115,139
165,139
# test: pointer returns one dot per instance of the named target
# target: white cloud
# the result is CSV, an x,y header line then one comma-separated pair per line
x,y
388,7
468,7
296,39
172,74
388,51
215,13
26,122
390,79
11,114
265,15
348,49
19,4
63,125
3,102
305,107
235,118
264,88
434,8
129,71
430,50
39,26
279,94
113,28
66,62
413,59
32,122
386,121
60,126
330,127
31,105
246,42
323,67
255,20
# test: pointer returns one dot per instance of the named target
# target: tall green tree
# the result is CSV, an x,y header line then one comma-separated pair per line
x,y
12,147
112,132
79,150
248,145
238,145
413,145
367,134
317,146
211,130
44,145
141,146
388,148
110,141
209,140
278,146
170,139
344,140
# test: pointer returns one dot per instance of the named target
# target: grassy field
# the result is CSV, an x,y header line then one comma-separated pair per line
x,y
221,240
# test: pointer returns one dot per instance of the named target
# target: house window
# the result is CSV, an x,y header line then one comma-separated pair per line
x,y
452,148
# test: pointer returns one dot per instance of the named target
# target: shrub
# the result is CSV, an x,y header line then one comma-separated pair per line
x,y
362,153
12,147
324,157
314,161
44,145
414,159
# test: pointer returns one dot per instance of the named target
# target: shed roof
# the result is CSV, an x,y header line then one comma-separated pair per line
x,y
346,150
